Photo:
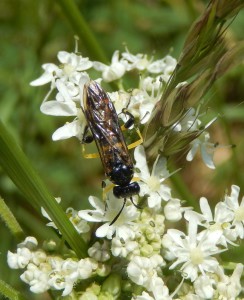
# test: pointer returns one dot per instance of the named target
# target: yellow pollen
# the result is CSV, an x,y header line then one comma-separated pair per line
x,y
215,226
68,69
239,214
196,256
153,183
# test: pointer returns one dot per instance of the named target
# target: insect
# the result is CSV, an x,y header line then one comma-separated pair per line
x,y
103,123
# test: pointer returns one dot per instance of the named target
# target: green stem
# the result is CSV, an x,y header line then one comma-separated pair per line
x,y
10,293
19,169
10,220
71,11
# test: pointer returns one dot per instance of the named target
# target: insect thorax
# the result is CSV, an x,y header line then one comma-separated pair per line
x,y
121,174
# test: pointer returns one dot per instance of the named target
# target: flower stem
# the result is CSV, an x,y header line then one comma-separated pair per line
x,y
10,220
19,169
10,293
71,11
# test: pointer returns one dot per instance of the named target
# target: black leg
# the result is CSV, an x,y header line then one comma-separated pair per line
x,y
86,139
131,119
116,218
137,206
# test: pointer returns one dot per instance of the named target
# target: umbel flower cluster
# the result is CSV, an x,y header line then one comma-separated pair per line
x,y
141,256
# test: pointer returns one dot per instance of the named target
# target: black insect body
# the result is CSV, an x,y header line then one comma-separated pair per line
x,y
103,122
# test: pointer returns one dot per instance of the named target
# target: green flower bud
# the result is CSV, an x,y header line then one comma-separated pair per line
x,y
147,250
112,285
103,270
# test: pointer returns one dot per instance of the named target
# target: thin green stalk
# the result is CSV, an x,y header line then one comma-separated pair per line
x,y
10,220
10,293
74,16
19,169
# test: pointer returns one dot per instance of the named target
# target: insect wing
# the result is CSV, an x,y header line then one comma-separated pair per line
x,y
104,124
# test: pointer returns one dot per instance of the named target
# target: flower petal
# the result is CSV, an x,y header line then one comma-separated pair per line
x,y
67,131
55,108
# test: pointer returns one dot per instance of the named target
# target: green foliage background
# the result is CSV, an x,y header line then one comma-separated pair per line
x,y
32,32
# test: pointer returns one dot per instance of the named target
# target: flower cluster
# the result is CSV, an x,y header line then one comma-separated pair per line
x,y
44,272
138,256
68,80
139,245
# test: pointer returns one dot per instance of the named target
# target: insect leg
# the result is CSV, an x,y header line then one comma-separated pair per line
x,y
136,205
131,119
138,142
104,196
87,139
88,155
108,188
116,218
127,125
129,122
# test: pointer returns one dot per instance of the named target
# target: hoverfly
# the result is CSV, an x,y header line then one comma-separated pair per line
x,y
103,122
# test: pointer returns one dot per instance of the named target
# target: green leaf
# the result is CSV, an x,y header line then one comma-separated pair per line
x,y
9,219
19,169
10,293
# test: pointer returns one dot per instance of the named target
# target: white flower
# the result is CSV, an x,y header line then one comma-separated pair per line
x,y
165,66
123,248
39,257
113,72
123,225
143,270
167,243
80,225
70,70
150,84
141,104
194,251
204,287
51,72
30,242
219,221
237,209
20,259
143,296
73,63
207,150
189,122
65,273
69,80
120,100
46,215
62,106
37,277
99,252
229,287
159,289
151,184
59,281
86,267
72,129
138,61
173,210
